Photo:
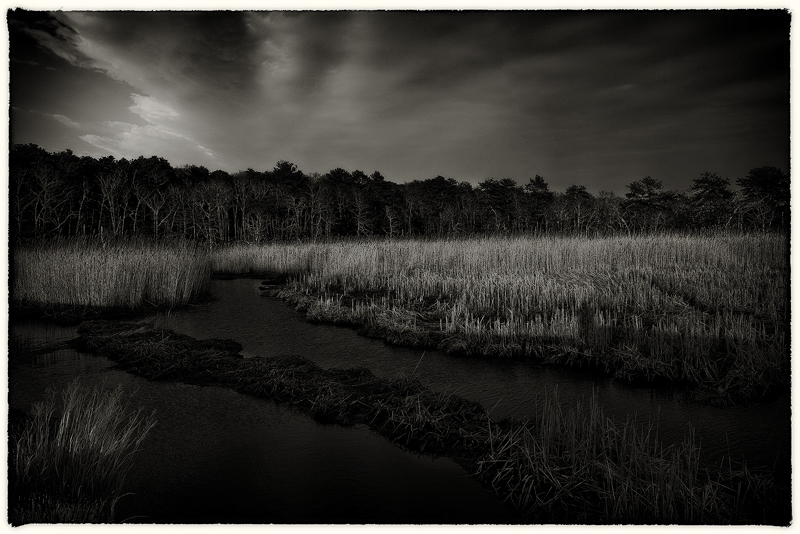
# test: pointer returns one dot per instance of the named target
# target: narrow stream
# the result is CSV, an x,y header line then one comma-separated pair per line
x,y
759,433
216,456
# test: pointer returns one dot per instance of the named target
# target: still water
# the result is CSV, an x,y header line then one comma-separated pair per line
x,y
217,456
267,327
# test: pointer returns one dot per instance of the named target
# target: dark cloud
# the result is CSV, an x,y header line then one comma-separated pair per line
x,y
202,53
592,96
322,47
31,32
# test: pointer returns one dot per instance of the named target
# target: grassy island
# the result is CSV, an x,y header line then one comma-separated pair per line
x,y
565,466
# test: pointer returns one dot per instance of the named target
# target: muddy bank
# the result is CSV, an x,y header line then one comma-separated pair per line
x,y
443,424
65,315
420,327
71,315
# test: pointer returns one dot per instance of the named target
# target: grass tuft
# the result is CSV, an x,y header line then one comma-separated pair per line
x,y
578,466
69,459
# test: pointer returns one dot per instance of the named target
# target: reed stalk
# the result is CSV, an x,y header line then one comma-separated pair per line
x,y
577,466
118,274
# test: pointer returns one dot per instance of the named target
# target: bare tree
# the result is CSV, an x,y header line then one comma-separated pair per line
x,y
49,196
115,193
362,211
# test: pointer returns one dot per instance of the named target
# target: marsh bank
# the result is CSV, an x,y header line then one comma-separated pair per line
x,y
268,327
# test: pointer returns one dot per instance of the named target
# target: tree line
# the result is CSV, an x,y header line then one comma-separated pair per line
x,y
61,194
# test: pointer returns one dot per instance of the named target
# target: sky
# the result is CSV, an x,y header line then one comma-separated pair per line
x,y
587,97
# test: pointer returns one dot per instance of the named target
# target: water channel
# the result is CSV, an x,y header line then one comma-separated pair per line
x,y
217,456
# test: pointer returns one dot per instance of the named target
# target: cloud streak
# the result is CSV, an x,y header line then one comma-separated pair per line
x,y
122,140
66,121
575,96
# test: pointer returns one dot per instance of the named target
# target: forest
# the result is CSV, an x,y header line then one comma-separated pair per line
x,y
61,194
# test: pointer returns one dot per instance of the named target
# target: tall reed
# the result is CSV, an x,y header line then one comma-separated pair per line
x,y
705,310
125,274
69,461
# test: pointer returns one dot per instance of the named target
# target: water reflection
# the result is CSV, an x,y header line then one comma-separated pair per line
x,y
267,327
216,456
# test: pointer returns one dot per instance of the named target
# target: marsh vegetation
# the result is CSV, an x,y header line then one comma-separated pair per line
x,y
707,313
686,291
69,456
81,276
564,466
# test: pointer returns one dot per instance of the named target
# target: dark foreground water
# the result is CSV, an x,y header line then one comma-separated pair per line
x,y
217,456
267,327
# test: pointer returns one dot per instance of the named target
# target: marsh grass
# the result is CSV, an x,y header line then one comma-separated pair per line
x,y
708,311
69,459
118,274
577,466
